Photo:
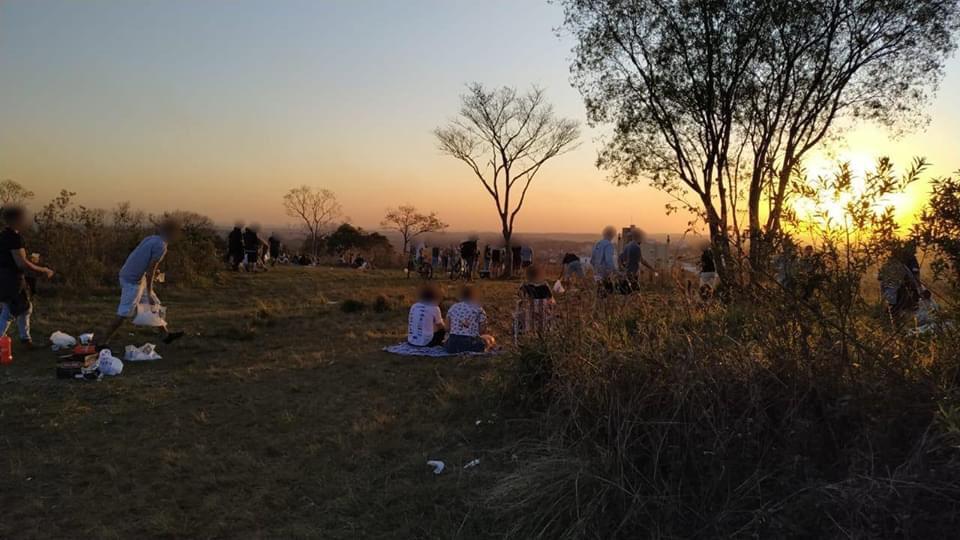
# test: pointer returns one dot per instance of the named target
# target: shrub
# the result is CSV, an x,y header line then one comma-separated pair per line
x,y
352,305
87,247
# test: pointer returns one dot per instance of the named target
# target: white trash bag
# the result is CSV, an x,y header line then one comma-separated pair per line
x,y
108,364
61,340
142,353
150,315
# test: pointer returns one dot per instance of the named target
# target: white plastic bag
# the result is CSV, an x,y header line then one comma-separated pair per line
x,y
142,353
558,287
108,364
150,315
61,340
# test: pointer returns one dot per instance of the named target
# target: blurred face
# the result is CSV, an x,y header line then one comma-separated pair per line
x,y
20,222
609,233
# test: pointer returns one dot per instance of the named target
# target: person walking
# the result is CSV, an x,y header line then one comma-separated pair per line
x,y
603,259
137,277
632,257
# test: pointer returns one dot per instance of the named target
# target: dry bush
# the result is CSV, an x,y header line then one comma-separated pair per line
x,y
787,411
746,419
87,246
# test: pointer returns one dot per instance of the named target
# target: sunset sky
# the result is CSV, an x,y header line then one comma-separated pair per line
x,y
220,106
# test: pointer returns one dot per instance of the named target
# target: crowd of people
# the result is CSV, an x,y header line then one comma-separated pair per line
x,y
464,329
248,251
467,260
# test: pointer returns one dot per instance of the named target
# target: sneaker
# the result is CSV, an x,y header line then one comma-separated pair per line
x,y
28,343
172,336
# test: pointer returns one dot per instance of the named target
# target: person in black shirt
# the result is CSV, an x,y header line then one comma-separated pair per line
x,y
275,246
251,249
468,250
235,246
14,266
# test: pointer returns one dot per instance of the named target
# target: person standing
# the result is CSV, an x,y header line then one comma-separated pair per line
x,y
137,277
274,248
632,258
251,249
468,251
14,267
235,246
526,256
603,259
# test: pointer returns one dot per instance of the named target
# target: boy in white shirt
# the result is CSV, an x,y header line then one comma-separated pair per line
x,y
425,323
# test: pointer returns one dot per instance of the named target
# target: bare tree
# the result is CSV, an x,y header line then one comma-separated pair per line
x,y
505,138
317,209
409,223
720,101
13,192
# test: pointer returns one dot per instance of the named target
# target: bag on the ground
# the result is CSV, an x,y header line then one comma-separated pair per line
x,y
108,364
150,315
61,340
558,287
142,353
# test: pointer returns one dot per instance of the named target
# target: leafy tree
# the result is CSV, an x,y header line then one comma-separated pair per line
x,y
349,238
316,209
505,138
12,192
718,102
409,223
939,225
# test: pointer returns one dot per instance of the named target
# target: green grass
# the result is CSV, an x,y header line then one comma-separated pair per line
x,y
278,416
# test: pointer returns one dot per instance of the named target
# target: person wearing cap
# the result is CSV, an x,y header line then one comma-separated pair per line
x,y
137,277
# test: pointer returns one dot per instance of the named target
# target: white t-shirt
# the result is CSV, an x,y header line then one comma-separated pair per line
x,y
466,319
423,319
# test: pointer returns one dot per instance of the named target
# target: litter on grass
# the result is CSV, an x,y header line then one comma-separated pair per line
x,y
108,364
471,464
61,340
438,466
142,353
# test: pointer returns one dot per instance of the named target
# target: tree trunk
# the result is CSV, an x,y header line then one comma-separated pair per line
x,y
508,256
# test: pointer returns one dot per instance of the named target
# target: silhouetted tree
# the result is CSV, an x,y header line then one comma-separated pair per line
x,y
409,223
505,138
317,209
723,99
12,192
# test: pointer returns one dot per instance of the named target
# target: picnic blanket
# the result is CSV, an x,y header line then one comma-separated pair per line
x,y
406,349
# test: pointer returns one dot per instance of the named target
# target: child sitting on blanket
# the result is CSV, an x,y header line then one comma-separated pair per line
x,y
467,324
425,323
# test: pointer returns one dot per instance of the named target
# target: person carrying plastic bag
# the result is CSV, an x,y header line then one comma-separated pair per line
x,y
136,282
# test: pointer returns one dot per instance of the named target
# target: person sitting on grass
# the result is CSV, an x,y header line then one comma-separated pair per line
x,y
137,278
15,269
535,305
467,323
425,322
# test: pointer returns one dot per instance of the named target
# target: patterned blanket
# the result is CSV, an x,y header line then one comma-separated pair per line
x,y
406,349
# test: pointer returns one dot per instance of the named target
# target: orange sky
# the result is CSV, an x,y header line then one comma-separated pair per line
x,y
220,107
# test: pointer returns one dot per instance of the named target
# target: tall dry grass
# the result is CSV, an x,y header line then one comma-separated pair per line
x,y
801,410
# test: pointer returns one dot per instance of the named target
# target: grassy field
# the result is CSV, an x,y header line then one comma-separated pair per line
x,y
278,416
